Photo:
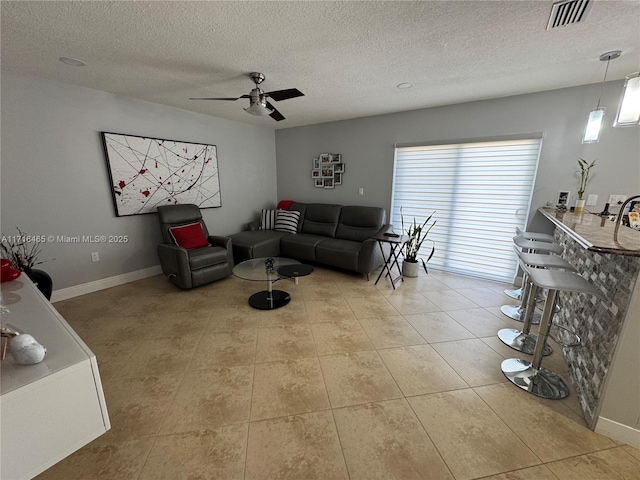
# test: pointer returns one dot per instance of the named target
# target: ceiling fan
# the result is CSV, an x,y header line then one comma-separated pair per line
x,y
258,104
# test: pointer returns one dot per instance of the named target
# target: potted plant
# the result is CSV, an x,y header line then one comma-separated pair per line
x,y
417,234
23,250
585,168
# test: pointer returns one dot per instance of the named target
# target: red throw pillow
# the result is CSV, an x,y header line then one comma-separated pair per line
x,y
284,204
189,236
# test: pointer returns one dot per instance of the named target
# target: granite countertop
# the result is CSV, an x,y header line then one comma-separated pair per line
x,y
596,233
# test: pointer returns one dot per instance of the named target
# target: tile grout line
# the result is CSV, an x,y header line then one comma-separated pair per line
x,y
253,382
429,436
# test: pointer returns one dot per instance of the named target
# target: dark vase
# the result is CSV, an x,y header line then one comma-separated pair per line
x,y
42,280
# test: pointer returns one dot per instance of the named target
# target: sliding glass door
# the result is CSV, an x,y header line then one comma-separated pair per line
x,y
480,193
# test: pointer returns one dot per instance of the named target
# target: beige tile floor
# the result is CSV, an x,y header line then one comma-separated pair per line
x,y
349,380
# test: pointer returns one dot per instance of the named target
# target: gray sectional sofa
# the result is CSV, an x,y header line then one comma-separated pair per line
x,y
333,235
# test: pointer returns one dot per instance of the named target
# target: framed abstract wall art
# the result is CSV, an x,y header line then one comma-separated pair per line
x,y
146,172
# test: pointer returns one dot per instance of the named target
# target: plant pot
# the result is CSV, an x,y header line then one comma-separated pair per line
x,y
42,280
579,208
410,269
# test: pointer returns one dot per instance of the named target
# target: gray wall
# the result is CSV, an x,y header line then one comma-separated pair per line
x,y
55,180
367,145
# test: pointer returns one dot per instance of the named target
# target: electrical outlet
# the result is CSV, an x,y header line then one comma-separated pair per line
x,y
592,200
361,191
95,257
617,199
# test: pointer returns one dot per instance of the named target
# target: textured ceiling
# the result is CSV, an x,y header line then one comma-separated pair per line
x,y
347,57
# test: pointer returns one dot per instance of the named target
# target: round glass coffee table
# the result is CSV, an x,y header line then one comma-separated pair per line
x,y
270,270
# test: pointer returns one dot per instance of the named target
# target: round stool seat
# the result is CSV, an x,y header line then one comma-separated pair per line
x,y
562,280
545,261
539,260
535,236
544,247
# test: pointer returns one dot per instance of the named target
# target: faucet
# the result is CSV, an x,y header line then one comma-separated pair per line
x,y
621,214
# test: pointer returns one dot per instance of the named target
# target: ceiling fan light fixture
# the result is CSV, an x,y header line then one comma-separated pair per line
x,y
629,110
258,109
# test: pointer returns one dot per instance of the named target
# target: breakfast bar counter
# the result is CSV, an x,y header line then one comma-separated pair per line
x,y
596,233
605,368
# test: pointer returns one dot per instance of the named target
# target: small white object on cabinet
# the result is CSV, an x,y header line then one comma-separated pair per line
x,y
25,350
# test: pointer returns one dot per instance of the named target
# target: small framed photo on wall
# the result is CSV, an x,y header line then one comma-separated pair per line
x,y
319,183
336,158
316,173
328,182
337,179
316,163
338,168
325,158
327,171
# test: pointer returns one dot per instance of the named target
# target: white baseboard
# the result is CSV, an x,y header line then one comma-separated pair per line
x,y
619,432
82,289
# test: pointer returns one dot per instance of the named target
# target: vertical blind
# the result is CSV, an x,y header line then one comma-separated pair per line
x,y
479,191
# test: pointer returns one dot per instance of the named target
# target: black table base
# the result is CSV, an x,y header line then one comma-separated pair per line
x,y
269,300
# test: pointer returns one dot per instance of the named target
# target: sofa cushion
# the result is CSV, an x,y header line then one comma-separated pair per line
x,y
359,223
205,257
256,244
287,221
299,207
321,219
301,246
339,253
189,236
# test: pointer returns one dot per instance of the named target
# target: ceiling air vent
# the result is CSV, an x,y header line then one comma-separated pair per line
x,y
567,12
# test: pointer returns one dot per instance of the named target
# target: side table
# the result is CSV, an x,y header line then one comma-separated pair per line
x,y
395,244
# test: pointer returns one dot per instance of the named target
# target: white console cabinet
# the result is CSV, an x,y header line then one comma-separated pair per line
x,y
48,410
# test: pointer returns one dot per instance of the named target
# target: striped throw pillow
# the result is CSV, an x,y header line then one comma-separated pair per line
x,y
267,219
287,221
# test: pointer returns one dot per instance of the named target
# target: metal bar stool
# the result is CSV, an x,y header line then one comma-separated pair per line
x,y
531,376
523,340
516,294
517,312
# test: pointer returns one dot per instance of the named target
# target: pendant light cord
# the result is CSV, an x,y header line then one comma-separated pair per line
x,y
603,82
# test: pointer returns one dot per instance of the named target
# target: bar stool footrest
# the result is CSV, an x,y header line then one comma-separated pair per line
x,y
564,336
522,342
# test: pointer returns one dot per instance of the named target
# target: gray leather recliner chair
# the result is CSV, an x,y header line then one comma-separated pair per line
x,y
196,266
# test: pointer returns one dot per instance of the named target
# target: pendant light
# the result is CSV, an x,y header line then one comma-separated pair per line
x,y
629,110
594,123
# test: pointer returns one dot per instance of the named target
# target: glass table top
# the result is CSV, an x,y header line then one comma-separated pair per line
x,y
256,269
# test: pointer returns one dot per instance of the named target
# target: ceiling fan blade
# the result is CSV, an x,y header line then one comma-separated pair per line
x,y
276,115
279,95
219,98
